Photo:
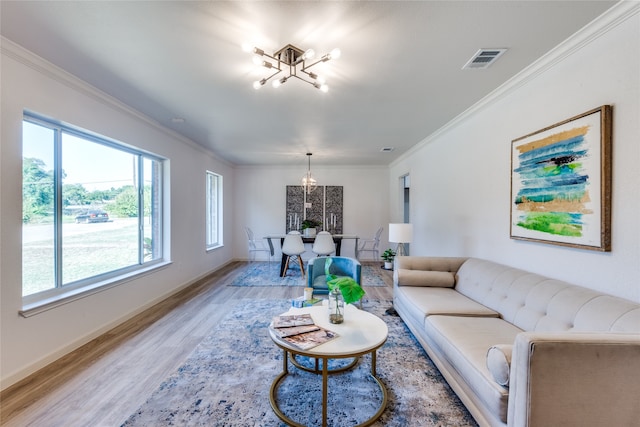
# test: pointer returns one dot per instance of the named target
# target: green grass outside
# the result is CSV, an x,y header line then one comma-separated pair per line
x,y
84,255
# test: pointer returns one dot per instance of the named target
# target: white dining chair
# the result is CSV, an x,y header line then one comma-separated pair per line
x,y
293,247
323,244
256,246
370,245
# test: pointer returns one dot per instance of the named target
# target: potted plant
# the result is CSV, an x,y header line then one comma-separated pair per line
x,y
342,289
309,227
388,256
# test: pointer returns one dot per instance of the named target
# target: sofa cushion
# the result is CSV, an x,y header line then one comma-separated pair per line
x,y
442,279
463,342
422,263
499,362
430,301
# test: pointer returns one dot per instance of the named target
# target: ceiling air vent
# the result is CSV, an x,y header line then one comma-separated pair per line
x,y
483,58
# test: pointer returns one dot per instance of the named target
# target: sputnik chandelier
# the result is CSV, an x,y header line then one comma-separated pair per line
x,y
291,62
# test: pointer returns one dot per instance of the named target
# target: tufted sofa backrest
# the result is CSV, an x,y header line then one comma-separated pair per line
x,y
536,303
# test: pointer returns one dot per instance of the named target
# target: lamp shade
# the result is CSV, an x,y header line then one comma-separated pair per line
x,y
400,233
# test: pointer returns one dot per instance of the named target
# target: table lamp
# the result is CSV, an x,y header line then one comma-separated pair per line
x,y
400,233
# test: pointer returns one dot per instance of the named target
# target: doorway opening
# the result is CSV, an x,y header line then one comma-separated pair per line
x,y
406,185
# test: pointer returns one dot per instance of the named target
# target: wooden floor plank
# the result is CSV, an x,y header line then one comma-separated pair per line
x,y
103,382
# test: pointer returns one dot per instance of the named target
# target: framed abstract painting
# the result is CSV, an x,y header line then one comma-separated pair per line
x,y
561,183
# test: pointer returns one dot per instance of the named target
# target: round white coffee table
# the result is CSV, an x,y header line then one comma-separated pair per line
x,y
361,333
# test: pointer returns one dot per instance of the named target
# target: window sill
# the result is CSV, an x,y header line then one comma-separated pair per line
x,y
65,297
214,247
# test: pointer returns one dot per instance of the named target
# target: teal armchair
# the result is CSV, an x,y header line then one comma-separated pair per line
x,y
341,266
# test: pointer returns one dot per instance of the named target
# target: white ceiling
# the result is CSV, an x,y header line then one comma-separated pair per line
x,y
399,78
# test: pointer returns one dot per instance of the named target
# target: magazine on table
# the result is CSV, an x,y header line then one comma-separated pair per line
x,y
300,331
291,320
295,330
308,340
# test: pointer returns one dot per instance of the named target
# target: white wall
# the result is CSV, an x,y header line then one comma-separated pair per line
x,y
261,201
460,178
30,343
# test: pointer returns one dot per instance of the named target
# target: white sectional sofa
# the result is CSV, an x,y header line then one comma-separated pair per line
x,y
521,349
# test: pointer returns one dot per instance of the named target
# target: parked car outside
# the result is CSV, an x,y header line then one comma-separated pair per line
x,y
92,215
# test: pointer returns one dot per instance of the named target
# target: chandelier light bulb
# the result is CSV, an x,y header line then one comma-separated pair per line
x,y
308,180
257,59
310,53
259,83
246,47
323,87
334,54
309,183
277,83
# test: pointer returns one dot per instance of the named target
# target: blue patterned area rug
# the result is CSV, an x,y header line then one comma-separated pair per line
x,y
226,381
262,273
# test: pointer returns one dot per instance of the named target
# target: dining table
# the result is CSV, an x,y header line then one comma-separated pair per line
x,y
337,239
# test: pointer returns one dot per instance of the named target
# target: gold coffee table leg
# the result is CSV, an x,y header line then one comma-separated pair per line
x,y
383,390
274,390
325,376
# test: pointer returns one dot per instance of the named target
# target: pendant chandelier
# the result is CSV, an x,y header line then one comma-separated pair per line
x,y
289,62
308,182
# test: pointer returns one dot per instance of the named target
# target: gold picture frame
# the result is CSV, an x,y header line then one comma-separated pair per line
x,y
561,183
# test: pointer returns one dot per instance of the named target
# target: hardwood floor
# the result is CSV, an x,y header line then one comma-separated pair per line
x,y
105,381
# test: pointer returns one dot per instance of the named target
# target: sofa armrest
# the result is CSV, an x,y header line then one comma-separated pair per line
x,y
574,379
426,271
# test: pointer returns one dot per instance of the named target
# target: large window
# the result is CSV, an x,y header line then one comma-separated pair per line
x,y
214,210
91,208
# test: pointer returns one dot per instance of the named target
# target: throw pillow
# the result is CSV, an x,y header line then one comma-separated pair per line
x,y
436,279
499,363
